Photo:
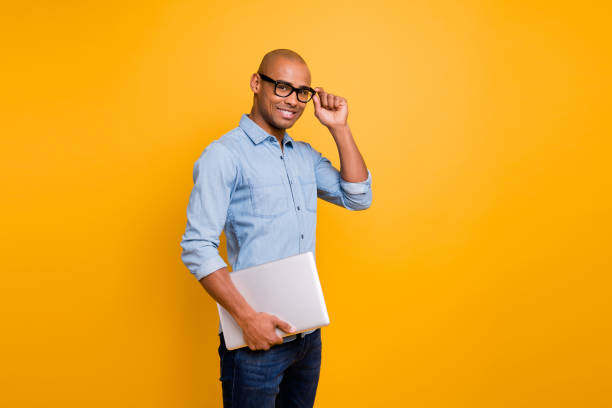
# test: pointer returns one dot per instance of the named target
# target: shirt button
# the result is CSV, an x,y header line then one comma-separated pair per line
x,y
302,236
298,208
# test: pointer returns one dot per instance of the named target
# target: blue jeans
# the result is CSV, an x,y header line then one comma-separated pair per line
x,y
286,375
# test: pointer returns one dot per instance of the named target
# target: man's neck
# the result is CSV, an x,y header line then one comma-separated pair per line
x,y
277,133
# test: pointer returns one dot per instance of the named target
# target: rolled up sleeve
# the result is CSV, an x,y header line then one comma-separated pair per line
x,y
332,188
214,176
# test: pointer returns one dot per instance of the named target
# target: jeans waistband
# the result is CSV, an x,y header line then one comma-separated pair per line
x,y
294,336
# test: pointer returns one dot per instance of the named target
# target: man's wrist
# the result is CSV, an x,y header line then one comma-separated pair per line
x,y
243,318
340,130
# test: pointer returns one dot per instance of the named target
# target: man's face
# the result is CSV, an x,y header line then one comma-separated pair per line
x,y
278,112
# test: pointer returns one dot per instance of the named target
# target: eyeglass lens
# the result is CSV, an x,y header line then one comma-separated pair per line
x,y
303,95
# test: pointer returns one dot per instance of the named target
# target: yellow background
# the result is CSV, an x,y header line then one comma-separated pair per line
x,y
479,277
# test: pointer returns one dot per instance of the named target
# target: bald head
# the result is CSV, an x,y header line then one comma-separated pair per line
x,y
274,57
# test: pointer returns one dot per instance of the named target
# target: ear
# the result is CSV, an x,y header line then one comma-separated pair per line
x,y
255,83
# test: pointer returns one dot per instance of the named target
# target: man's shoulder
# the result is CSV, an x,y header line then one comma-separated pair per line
x,y
232,139
305,149
302,146
235,135
226,145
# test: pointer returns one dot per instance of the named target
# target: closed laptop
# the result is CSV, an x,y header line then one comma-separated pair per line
x,y
288,288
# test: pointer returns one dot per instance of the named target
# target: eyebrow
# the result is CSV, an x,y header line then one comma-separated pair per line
x,y
299,87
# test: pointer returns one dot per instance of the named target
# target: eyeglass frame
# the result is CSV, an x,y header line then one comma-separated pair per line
x,y
293,89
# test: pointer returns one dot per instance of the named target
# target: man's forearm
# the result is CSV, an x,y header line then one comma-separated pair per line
x,y
220,287
352,166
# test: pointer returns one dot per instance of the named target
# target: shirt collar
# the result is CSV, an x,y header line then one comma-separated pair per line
x,y
257,134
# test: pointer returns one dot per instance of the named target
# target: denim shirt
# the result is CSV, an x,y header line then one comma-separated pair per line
x,y
263,198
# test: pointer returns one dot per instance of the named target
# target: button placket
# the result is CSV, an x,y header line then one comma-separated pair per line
x,y
282,157
297,208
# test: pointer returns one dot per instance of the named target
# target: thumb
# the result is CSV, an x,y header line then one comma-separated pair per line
x,y
285,326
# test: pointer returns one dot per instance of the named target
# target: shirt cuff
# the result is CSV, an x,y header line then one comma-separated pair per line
x,y
360,187
210,266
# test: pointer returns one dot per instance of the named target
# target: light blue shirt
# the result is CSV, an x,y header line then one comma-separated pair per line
x,y
263,198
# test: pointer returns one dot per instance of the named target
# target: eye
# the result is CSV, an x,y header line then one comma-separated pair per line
x,y
282,87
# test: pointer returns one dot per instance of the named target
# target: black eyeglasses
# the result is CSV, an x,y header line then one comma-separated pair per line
x,y
284,89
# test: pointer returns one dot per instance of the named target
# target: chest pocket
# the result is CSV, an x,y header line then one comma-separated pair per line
x,y
268,197
309,188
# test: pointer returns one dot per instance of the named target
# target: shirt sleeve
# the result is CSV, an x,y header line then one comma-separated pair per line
x,y
332,188
214,176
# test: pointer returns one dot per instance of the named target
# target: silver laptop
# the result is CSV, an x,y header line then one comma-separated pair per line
x,y
288,288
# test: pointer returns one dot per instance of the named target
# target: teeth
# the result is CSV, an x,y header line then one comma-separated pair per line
x,y
286,112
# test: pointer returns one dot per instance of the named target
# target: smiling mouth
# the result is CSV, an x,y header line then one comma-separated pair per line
x,y
286,113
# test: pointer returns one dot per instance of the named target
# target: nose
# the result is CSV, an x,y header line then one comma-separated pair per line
x,y
292,98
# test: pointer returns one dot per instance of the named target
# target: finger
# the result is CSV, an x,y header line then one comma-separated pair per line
x,y
285,326
323,96
317,102
330,101
336,102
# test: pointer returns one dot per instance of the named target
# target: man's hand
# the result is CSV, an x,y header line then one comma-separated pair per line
x,y
259,331
331,110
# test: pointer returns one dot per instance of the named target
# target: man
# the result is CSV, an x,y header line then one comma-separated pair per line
x,y
260,186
